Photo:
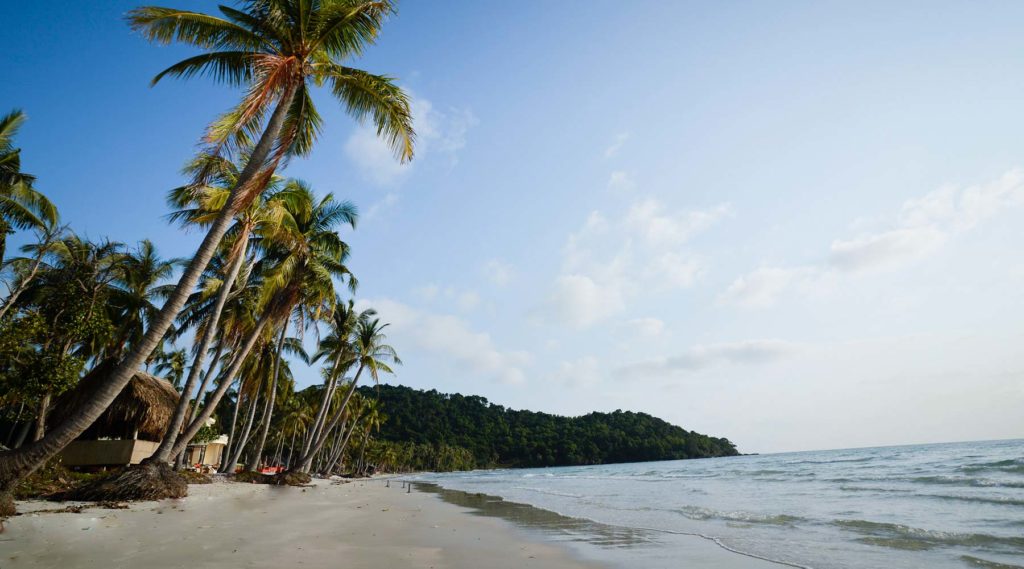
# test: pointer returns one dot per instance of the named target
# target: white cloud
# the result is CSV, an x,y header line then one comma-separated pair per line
x,y
607,262
581,302
620,181
922,226
389,201
427,292
452,339
763,286
438,134
585,371
468,300
373,158
649,219
749,352
613,149
498,272
646,327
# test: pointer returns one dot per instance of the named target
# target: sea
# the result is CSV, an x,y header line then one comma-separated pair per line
x,y
936,506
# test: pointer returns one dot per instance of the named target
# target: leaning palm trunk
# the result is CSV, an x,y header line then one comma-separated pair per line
x,y
325,404
236,452
254,460
344,443
234,423
229,377
307,458
17,464
207,378
162,453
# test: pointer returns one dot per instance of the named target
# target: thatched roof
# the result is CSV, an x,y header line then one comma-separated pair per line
x,y
145,405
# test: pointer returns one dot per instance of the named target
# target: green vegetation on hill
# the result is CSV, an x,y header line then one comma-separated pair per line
x,y
497,436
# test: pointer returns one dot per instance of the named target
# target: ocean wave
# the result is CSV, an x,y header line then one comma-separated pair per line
x,y
1012,466
966,481
699,513
978,499
900,536
976,562
547,492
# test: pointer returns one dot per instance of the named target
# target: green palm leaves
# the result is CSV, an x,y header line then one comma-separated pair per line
x,y
21,206
278,50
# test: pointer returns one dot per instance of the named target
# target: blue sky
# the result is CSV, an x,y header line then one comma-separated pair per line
x,y
797,225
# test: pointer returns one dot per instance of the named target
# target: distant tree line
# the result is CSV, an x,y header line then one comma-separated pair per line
x,y
497,436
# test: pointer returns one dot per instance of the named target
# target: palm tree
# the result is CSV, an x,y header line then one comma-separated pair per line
x,y
26,269
302,267
199,205
21,206
275,50
371,354
171,365
336,346
139,285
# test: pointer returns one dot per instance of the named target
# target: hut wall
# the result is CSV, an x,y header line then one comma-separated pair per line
x,y
107,453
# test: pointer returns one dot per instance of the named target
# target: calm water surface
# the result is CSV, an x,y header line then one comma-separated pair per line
x,y
937,506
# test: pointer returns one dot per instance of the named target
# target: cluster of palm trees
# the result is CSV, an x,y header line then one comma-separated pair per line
x,y
270,267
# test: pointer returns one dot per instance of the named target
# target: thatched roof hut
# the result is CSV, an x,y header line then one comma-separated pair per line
x,y
141,411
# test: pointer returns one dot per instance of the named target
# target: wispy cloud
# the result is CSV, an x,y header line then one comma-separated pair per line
x,y
452,339
440,134
922,227
749,352
497,272
607,262
613,149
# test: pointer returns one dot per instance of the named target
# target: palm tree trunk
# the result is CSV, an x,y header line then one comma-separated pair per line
x,y
17,464
207,379
234,422
162,453
325,404
280,448
229,376
44,408
236,452
291,449
307,457
362,452
269,411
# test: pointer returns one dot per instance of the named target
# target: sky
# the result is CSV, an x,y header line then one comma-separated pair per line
x,y
798,225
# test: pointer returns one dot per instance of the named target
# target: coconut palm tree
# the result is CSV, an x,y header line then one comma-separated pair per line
x,y
139,286
276,50
171,365
301,270
21,206
26,269
371,354
199,205
337,347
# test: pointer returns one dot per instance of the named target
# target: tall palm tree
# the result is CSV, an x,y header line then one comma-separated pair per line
x,y
301,270
337,347
199,204
371,354
275,50
21,206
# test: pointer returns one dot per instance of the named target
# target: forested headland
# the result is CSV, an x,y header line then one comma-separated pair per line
x,y
476,433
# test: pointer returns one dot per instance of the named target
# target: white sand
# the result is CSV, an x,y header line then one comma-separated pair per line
x,y
354,525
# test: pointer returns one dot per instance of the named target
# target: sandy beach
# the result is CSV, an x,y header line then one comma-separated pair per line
x,y
356,524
